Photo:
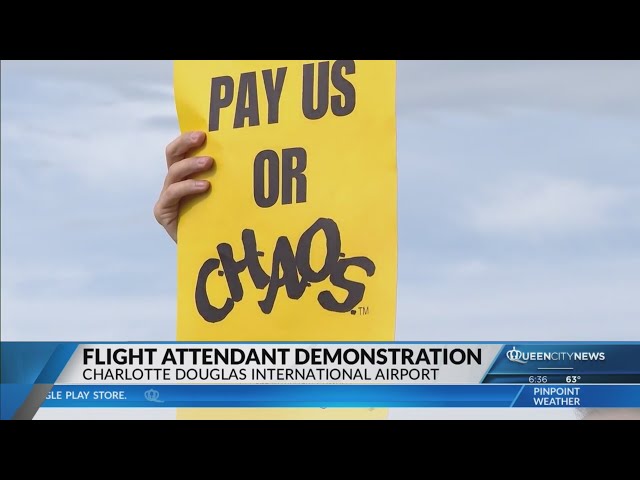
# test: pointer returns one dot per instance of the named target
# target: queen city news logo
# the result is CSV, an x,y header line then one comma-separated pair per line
x,y
518,356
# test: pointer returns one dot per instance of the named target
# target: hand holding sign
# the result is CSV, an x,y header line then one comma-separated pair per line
x,y
177,184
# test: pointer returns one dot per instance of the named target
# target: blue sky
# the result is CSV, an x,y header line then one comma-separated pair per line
x,y
519,201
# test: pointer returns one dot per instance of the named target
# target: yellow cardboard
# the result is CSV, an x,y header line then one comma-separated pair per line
x,y
297,238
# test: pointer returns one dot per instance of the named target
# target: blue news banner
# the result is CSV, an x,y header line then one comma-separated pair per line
x,y
399,374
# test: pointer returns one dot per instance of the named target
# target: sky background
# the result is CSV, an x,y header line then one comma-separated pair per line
x,y
519,200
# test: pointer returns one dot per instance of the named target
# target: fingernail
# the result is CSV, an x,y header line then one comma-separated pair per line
x,y
195,136
201,184
202,161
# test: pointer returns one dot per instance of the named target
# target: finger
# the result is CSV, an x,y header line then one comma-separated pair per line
x,y
178,149
175,192
183,168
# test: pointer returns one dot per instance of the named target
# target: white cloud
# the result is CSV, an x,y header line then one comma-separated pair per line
x,y
535,297
522,304
538,206
113,73
88,318
468,268
486,87
105,144
423,86
21,277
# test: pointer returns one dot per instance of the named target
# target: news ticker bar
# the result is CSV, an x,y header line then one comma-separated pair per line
x,y
330,374
343,396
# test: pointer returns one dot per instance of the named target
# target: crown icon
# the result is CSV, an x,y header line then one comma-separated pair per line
x,y
514,354
152,395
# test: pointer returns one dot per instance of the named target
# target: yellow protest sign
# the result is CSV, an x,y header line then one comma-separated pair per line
x,y
297,238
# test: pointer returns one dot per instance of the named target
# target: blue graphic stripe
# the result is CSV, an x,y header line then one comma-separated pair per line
x,y
579,396
480,395
517,396
22,362
568,359
21,365
56,363
12,396
281,395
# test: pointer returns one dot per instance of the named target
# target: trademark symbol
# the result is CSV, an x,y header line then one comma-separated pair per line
x,y
363,310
